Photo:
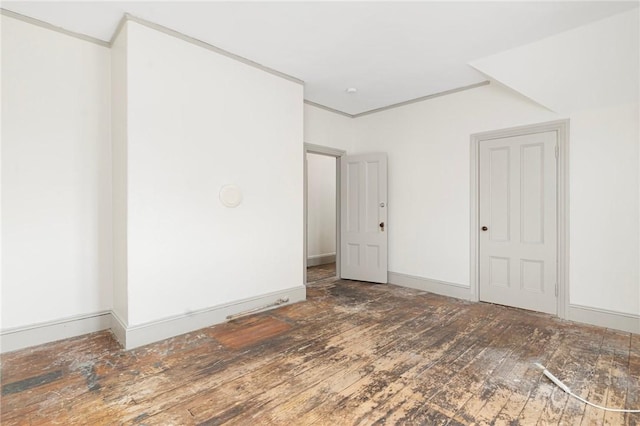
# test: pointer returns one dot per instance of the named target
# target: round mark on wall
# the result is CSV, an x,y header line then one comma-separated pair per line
x,y
230,195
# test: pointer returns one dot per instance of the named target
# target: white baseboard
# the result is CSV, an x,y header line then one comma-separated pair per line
x,y
432,286
605,318
131,337
138,335
321,259
594,316
118,328
37,334
134,336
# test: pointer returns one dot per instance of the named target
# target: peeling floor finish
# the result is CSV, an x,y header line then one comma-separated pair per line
x,y
353,354
321,272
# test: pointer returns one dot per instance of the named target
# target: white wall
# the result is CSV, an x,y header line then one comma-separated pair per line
x,y
325,128
429,182
428,146
197,121
119,172
591,74
605,215
56,176
321,206
187,121
589,67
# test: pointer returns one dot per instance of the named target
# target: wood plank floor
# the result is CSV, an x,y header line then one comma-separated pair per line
x,y
321,272
353,354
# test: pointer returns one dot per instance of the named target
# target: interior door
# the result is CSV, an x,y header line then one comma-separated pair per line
x,y
518,221
363,217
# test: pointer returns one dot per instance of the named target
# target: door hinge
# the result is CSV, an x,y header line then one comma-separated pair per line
x,y
557,151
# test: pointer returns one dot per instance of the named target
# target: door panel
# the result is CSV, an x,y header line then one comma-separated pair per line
x,y
517,198
500,219
363,198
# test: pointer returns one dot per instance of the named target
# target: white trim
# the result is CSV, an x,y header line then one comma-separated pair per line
x,y
338,215
326,108
399,104
443,288
562,129
205,45
321,259
143,334
116,33
37,334
563,219
128,17
133,336
52,27
310,148
604,318
422,98
474,204
118,328
622,321
323,150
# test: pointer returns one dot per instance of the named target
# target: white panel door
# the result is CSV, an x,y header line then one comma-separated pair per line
x,y
363,217
518,221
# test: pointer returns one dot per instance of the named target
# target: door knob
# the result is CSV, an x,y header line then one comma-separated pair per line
x,y
484,228
382,226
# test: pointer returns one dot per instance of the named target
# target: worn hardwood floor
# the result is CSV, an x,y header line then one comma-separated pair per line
x,y
321,272
354,353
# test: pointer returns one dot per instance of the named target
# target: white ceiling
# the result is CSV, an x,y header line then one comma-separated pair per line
x,y
390,51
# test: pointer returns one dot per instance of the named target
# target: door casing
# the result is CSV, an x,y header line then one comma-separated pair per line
x,y
329,152
561,127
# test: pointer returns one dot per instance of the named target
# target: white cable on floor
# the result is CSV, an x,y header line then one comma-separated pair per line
x,y
565,388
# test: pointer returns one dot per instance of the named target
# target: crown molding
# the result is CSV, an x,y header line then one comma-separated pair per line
x,y
152,25
128,17
52,27
399,104
422,98
205,45
326,108
118,30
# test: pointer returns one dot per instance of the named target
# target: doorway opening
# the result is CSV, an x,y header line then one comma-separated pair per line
x,y
322,206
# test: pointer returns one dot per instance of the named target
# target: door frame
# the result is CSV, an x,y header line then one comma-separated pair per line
x,y
329,152
561,127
